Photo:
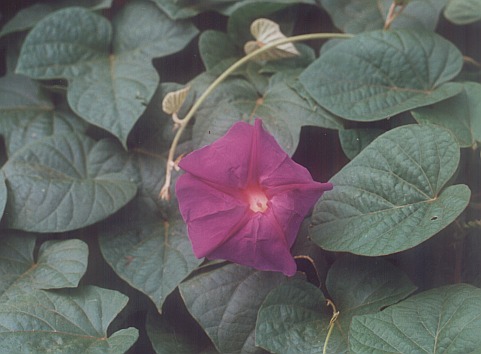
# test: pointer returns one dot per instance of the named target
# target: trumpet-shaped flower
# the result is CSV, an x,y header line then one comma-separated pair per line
x,y
243,199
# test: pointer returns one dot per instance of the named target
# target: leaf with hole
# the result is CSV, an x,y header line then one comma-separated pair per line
x,y
66,182
392,196
109,89
378,74
442,320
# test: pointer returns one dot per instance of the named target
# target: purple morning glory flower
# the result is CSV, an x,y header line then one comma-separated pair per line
x,y
243,199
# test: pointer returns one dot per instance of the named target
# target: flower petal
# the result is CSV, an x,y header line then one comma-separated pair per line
x,y
244,199
274,165
211,215
260,244
225,162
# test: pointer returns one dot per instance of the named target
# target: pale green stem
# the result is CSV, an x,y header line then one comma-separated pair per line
x,y
164,193
335,315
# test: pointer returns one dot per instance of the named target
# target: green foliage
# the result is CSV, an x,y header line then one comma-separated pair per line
x,y
72,321
463,12
460,114
294,317
367,15
107,88
374,75
92,260
393,195
445,319
237,292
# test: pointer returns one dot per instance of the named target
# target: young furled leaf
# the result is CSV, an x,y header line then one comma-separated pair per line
x,y
265,32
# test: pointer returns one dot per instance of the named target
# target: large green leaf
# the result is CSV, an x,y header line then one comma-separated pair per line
x,y
108,89
225,302
27,17
66,182
463,12
68,321
382,73
149,249
393,195
27,113
294,317
59,264
281,109
460,114
355,16
443,320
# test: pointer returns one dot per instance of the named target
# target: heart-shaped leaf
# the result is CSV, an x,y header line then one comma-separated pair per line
x,y
60,264
463,12
382,73
294,317
152,255
149,249
108,89
355,16
225,302
393,195
174,100
443,320
265,32
74,321
66,182
460,114
27,113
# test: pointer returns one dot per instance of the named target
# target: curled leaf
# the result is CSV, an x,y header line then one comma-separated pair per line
x,y
266,31
174,100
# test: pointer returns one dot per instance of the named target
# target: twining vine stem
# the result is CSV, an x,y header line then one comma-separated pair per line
x,y
335,315
165,191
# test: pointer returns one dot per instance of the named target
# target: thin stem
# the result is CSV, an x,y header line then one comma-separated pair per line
x,y
164,193
471,61
335,315
392,14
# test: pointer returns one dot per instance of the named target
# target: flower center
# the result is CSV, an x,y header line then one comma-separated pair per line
x,y
257,199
